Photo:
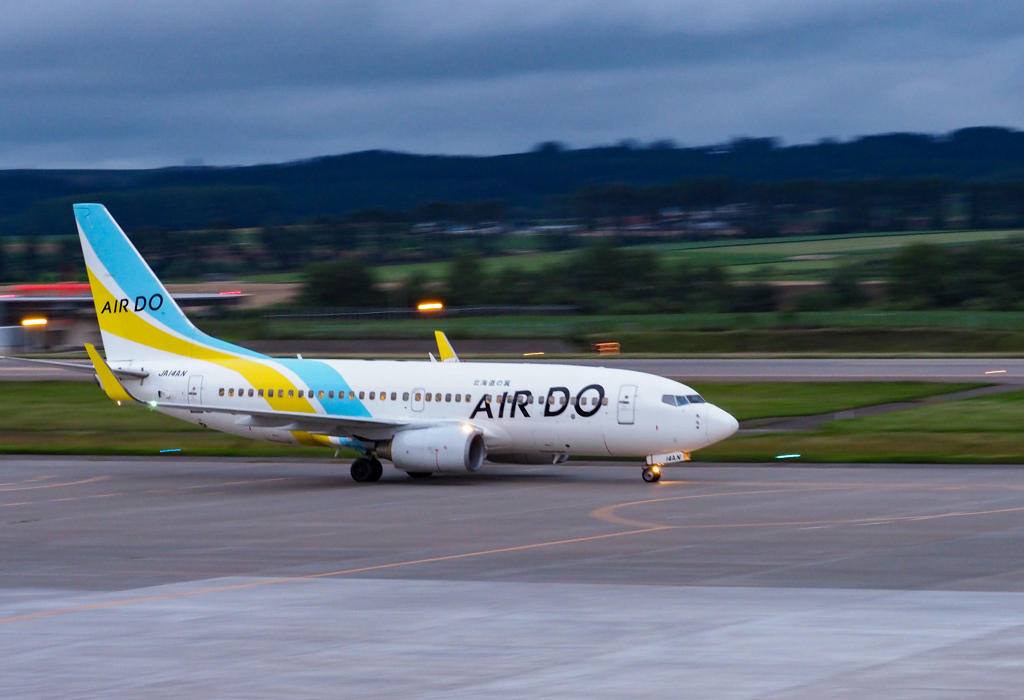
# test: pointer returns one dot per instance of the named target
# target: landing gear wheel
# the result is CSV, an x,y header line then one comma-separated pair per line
x,y
378,469
650,475
419,475
362,470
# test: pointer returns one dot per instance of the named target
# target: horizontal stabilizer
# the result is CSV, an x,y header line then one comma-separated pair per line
x,y
110,383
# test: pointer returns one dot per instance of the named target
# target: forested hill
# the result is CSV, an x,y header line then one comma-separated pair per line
x,y
36,201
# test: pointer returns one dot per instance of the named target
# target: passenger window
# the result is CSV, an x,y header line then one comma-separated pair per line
x,y
468,397
419,396
241,392
583,401
447,398
458,398
220,393
383,396
351,394
405,396
604,401
330,394
695,398
373,395
231,392
572,401
562,400
280,393
320,394
260,393
291,393
250,392
362,395
429,396
394,396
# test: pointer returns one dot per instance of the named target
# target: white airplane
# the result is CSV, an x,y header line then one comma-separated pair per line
x,y
425,417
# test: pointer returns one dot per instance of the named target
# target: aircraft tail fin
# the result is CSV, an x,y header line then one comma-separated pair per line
x,y
138,318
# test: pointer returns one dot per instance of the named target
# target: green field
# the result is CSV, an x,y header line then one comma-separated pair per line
x,y
76,418
842,332
774,259
971,431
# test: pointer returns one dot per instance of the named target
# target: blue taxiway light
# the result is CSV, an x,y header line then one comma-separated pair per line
x,y
176,449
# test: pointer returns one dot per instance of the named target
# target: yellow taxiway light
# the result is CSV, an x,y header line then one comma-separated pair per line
x,y
430,306
532,354
34,322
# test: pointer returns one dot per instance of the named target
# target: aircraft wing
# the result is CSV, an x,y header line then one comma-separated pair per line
x,y
315,423
445,348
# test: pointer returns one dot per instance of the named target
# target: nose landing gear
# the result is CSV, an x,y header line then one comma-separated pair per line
x,y
652,474
366,469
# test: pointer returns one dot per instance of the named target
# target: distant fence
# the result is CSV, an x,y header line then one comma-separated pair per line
x,y
401,313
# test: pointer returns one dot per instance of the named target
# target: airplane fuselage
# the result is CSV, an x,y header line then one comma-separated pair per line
x,y
535,410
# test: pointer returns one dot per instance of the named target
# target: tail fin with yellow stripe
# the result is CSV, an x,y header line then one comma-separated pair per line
x,y
138,318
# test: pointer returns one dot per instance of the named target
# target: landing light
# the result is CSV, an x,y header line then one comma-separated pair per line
x,y
466,428
34,322
656,469
430,306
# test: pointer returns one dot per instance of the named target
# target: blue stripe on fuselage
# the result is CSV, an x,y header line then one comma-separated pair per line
x,y
319,375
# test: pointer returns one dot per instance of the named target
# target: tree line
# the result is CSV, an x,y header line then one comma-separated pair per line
x,y
605,278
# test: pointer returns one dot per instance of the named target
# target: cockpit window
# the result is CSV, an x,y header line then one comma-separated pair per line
x,y
695,398
679,400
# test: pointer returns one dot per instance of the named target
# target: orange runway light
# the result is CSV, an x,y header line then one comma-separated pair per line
x,y
430,306
607,348
34,322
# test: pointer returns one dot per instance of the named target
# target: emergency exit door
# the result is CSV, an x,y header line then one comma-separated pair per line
x,y
195,389
627,404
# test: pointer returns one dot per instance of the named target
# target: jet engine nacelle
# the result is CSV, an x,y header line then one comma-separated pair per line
x,y
442,449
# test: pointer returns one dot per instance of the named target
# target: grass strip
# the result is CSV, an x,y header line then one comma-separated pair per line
x,y
76,418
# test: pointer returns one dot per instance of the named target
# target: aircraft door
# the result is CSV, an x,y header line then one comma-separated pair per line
x,y
417,399
195,389
627,404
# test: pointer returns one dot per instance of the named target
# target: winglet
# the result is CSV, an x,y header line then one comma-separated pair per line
x,y
110,383
444,348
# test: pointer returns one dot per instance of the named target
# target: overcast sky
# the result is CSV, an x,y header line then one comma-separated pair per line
x,y
118,83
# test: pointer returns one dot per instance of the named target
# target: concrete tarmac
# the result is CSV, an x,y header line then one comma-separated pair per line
x,y
230,578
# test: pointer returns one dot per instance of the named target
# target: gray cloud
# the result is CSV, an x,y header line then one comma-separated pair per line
x,y
116,83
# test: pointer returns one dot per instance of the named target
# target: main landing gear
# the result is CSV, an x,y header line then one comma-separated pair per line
x,y
652,474
366,469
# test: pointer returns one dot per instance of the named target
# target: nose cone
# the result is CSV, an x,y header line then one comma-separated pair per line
x,y
720,424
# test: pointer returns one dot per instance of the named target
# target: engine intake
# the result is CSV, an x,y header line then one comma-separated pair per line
x,y
447,448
